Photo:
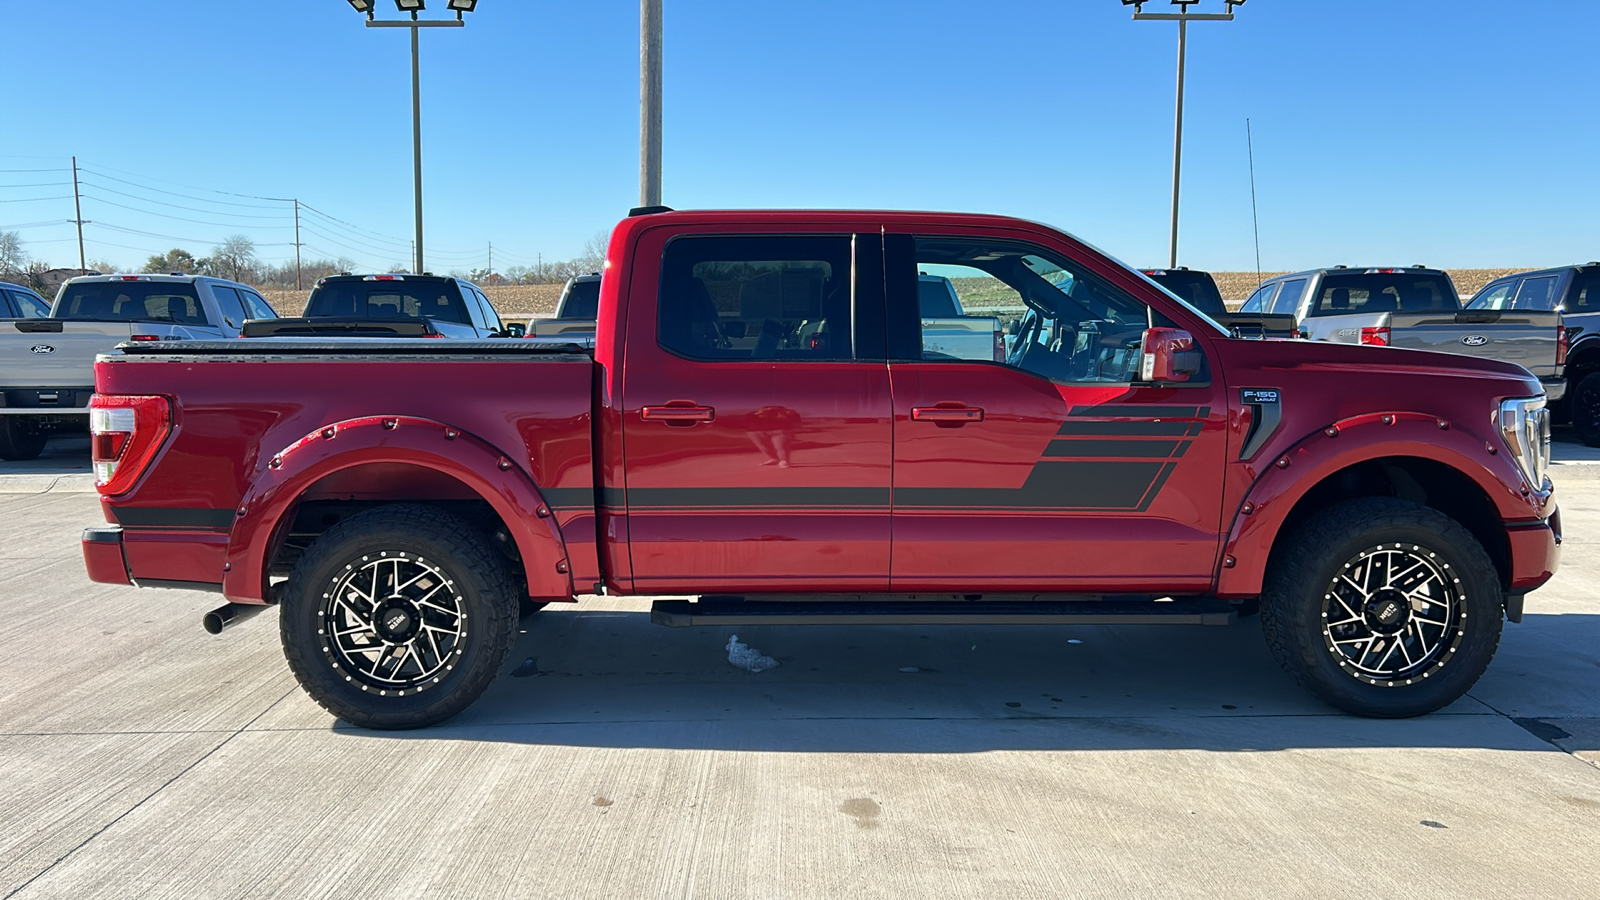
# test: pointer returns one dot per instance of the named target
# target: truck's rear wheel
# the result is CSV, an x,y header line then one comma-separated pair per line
x,y
1585,406
1382,608
398,617
20,438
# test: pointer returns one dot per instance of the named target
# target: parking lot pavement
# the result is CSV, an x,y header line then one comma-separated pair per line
x,y
612,758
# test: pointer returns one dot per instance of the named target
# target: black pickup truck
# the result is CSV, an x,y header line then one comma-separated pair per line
x,y
1200,291
1575,292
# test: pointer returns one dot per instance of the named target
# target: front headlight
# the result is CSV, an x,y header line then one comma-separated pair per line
x,y
1525,426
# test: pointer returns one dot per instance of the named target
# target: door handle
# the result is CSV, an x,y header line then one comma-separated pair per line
x,y
947,416
678,412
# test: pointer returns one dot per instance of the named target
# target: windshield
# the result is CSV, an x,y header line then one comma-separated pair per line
x,y
582,301
1377,292
1199,288
439,300
131,301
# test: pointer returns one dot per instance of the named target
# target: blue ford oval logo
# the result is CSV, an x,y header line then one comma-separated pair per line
x,y
42,348
1475,340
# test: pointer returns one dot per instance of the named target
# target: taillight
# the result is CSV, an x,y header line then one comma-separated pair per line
x,y
999,346
1561,345
125,433
144,337
433,335
1376,337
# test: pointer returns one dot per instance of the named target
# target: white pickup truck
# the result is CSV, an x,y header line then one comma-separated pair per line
x,y
47,364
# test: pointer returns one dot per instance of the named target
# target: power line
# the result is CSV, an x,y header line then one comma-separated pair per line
x,y
173,237
36,184
217,212
197,188
179,218
187,196
17,171
36,199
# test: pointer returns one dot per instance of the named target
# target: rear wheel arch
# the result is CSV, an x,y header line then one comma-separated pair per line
x,y
371,462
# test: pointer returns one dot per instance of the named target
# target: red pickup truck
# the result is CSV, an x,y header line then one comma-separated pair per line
x,y
760,427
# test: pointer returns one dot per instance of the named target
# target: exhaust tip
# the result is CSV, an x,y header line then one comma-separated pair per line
x,y
228,614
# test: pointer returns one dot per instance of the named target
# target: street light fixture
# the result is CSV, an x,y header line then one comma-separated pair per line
x,y
416,24
1183,17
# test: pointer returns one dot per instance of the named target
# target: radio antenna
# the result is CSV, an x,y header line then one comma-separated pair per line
x,y
1255,220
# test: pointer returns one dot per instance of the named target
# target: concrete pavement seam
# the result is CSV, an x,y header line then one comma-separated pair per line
x,y
1522,722
125,813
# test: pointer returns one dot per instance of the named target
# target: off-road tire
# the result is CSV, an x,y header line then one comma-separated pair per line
x,y
1584,407
481,589
20,438
1305,569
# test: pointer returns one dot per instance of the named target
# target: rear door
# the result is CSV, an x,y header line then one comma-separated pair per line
x,y
756,413
1054,470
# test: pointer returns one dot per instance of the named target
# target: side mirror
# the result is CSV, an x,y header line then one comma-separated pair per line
x,y
1168,355
516,330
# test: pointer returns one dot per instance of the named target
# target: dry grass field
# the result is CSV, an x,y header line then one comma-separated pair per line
x,y
522,301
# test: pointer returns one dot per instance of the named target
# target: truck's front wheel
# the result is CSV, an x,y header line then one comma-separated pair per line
x,y
20,438
398,617
1586,409
1382,608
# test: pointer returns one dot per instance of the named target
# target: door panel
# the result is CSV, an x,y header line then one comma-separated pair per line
x,y
754,474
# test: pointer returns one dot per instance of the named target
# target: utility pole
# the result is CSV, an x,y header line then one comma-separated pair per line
x,y
296,244
1183,17
491,257
649,102
77,209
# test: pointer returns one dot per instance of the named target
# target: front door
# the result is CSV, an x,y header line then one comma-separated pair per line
x,y
756,429
1057,469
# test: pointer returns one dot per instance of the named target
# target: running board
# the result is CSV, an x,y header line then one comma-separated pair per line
x,y
729,611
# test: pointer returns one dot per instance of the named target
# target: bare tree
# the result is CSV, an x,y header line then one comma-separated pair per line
x,y
233,259
13,258
174,260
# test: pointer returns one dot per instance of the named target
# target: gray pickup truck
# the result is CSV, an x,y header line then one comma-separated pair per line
x,y
1575,292
576,313
47,364
1417,308
1199,289
946,328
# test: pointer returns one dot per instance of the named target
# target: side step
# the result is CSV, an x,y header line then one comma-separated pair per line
x,y
735,611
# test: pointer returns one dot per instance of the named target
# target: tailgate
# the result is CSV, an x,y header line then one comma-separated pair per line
x,y
1259,325
1524,337
50,353
962,337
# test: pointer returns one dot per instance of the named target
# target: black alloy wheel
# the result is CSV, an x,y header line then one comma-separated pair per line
x,y
21,438
398,617
1382,607
1586,409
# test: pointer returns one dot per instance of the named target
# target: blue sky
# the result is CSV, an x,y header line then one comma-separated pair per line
x,y
1455,134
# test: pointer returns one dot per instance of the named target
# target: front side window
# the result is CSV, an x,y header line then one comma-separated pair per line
x,y
490,317
1261,300
232,306
1067,325
1537,293
259,308
1495,296
779,297
29,306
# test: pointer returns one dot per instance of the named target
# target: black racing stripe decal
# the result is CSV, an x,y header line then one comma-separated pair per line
x,y
613,498
1140,412
1088,449
172,517
1128,429
1155,487
1066,485
566,498
782,498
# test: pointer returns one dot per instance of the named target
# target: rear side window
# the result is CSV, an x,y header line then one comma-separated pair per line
x,y
935,297
1289,297
582,301
756,298
439,300
1495,296
29,306
1375,292
132,301
1585,292
1537,293
232,306
1260,300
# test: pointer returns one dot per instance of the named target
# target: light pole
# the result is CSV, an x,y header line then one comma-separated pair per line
x,y
649,103
415,24
1183,17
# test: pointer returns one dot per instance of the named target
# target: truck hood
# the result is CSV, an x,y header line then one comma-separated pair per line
x,y
1357,375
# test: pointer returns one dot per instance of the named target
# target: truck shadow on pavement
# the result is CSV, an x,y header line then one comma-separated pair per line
x,y
611,679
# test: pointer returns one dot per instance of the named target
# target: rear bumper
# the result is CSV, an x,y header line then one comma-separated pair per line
x,y
103,557
1535,551
1555,387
